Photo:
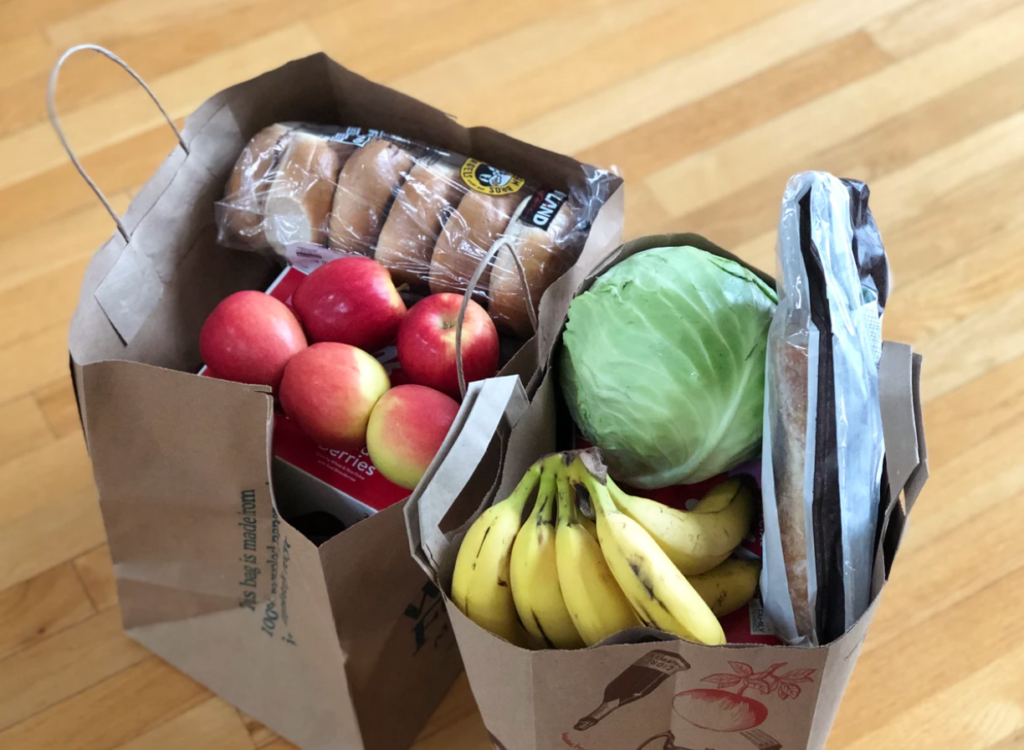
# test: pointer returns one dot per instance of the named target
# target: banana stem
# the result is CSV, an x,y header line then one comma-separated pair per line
x,y
566,504
600,499
525,487
545,499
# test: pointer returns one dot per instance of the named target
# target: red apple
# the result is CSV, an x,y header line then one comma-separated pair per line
x,y
249,337
426,343
350,300
406,428
329,390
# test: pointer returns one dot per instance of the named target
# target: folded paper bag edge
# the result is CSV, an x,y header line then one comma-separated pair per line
x,y
488,404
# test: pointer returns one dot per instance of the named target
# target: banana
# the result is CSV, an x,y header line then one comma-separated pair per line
x,y
480,585
596,603
729,586
659,594
534,571
701,539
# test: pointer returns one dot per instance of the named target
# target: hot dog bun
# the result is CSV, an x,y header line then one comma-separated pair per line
x,y
545,255
406,243
366,186
467,236
301,194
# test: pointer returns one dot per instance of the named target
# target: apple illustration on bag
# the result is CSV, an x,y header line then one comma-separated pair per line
x,y
721,710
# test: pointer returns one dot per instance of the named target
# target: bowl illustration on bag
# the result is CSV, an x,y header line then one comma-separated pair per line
x,y
721,710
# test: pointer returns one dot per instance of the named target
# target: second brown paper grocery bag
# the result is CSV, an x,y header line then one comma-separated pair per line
x,y
641,689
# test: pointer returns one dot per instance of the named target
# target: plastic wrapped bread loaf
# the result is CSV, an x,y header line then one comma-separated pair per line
x,y
310,193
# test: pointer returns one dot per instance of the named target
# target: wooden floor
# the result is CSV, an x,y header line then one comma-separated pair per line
x,y
706,107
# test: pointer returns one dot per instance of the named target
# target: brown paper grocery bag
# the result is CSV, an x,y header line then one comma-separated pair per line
x,y
343,645
642,689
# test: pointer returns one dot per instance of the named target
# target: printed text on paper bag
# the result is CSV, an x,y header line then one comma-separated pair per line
x,y
250,569
274,611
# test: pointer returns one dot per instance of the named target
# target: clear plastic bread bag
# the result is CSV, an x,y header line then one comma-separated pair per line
x,y
823,427
307,194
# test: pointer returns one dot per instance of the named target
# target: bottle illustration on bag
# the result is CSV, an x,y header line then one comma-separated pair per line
x,y
637,681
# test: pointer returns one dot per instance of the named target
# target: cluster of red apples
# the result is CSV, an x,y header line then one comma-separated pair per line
x,y
316,356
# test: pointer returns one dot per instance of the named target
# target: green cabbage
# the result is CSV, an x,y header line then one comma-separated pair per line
x,y
663,363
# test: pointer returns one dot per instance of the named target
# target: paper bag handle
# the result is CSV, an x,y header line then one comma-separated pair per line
x,y
471,287
489,404
51,106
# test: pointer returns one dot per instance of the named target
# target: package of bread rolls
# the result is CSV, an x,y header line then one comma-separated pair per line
x,y
307,194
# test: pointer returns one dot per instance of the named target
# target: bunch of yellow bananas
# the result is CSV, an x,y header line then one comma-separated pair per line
x,y
558,580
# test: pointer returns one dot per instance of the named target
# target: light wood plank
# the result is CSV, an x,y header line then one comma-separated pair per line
x,y
973,482
122,19
959,289
829,120
48,534
920,191
21,19
746,220
111,712
575,54
40,607
906,691
930,21
259,735
714,119
60,469
25,56
90,77
41,303
969,710
280,744
72,236
96,569
643,214
1014,742
456,708
930,579
29,363
986,340
61,191
59,407
971,415
60,666
212,725
970,216
621,107
23,428
94,127
48,510
351,33
468,733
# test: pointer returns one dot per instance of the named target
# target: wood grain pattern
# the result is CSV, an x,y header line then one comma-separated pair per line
x,y
706,107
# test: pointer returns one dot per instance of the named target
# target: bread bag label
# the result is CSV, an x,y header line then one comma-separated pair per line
x,y
359,137
483,178
543,207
